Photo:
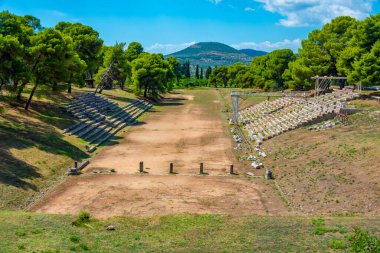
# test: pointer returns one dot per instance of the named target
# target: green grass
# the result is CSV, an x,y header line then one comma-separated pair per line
x,y
27,232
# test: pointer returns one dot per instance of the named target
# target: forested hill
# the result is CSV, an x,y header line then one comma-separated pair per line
x,y
213,54
252,53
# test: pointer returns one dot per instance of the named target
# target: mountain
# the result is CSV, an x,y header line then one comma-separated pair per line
x,y
213,54
252,52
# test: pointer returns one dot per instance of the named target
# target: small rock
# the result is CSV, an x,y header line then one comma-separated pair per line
x,y
110,228
250,174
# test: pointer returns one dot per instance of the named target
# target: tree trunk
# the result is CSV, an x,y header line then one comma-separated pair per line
x,y
20,90
31,96
15,84
145,91
69,88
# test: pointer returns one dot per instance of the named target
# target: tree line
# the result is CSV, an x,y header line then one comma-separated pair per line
x,y
73,53
343,47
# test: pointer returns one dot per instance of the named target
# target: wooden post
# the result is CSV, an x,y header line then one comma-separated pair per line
x,y
201,168
141,167
76,165
231,169
171,170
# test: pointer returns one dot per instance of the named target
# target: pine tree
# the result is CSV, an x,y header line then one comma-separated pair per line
x,y
201,75
186,69
208,72
197,72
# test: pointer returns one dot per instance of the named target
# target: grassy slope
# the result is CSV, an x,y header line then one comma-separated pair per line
x,y
331,171
26,232
34,154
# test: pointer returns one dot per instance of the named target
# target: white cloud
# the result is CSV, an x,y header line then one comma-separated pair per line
x,y
269,46
55,13
168,48
315,12
249,9
215,1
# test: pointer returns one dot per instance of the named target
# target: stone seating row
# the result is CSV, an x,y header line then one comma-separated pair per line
x,y
263,125
99,118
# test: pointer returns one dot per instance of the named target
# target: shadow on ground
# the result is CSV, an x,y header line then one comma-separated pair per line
x,y
18,134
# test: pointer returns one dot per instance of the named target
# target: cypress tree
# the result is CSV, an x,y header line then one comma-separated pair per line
x,y
197,72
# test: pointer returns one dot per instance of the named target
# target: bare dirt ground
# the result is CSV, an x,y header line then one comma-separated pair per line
x,y
187,128
116,195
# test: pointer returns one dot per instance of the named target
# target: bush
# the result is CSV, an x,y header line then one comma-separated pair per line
x,y
83,217
74,238
362,242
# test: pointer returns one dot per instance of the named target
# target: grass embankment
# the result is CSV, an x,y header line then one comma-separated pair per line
x,y
34,154
26,232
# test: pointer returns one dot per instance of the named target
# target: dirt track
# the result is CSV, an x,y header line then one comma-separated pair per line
x,y
185,129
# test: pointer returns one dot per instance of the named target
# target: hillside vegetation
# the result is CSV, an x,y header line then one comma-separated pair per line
x,y
212,54
34,154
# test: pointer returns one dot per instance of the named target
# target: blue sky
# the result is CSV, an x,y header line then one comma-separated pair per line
x,y
166,26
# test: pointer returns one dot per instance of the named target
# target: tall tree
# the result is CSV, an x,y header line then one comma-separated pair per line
x,y
52,54
21,29
116,63
151,74
87,44
176,67
11,55
133,51
208,72
201,74
186,69
197,72
219,77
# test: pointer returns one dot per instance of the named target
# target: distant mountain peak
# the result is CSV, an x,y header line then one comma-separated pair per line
x,y
207,54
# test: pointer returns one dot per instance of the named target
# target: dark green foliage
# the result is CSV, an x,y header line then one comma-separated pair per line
x,y
185,69
152,75
116,63
363,242
83,218
219,77
74,238
266,72
86,43
207,54
208,72
133,51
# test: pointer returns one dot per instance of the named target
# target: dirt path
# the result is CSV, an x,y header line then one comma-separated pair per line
x,y
185,129
116,195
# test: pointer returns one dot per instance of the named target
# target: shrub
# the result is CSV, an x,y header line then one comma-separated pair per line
x,y
83,217
74,238
363,242
84,247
